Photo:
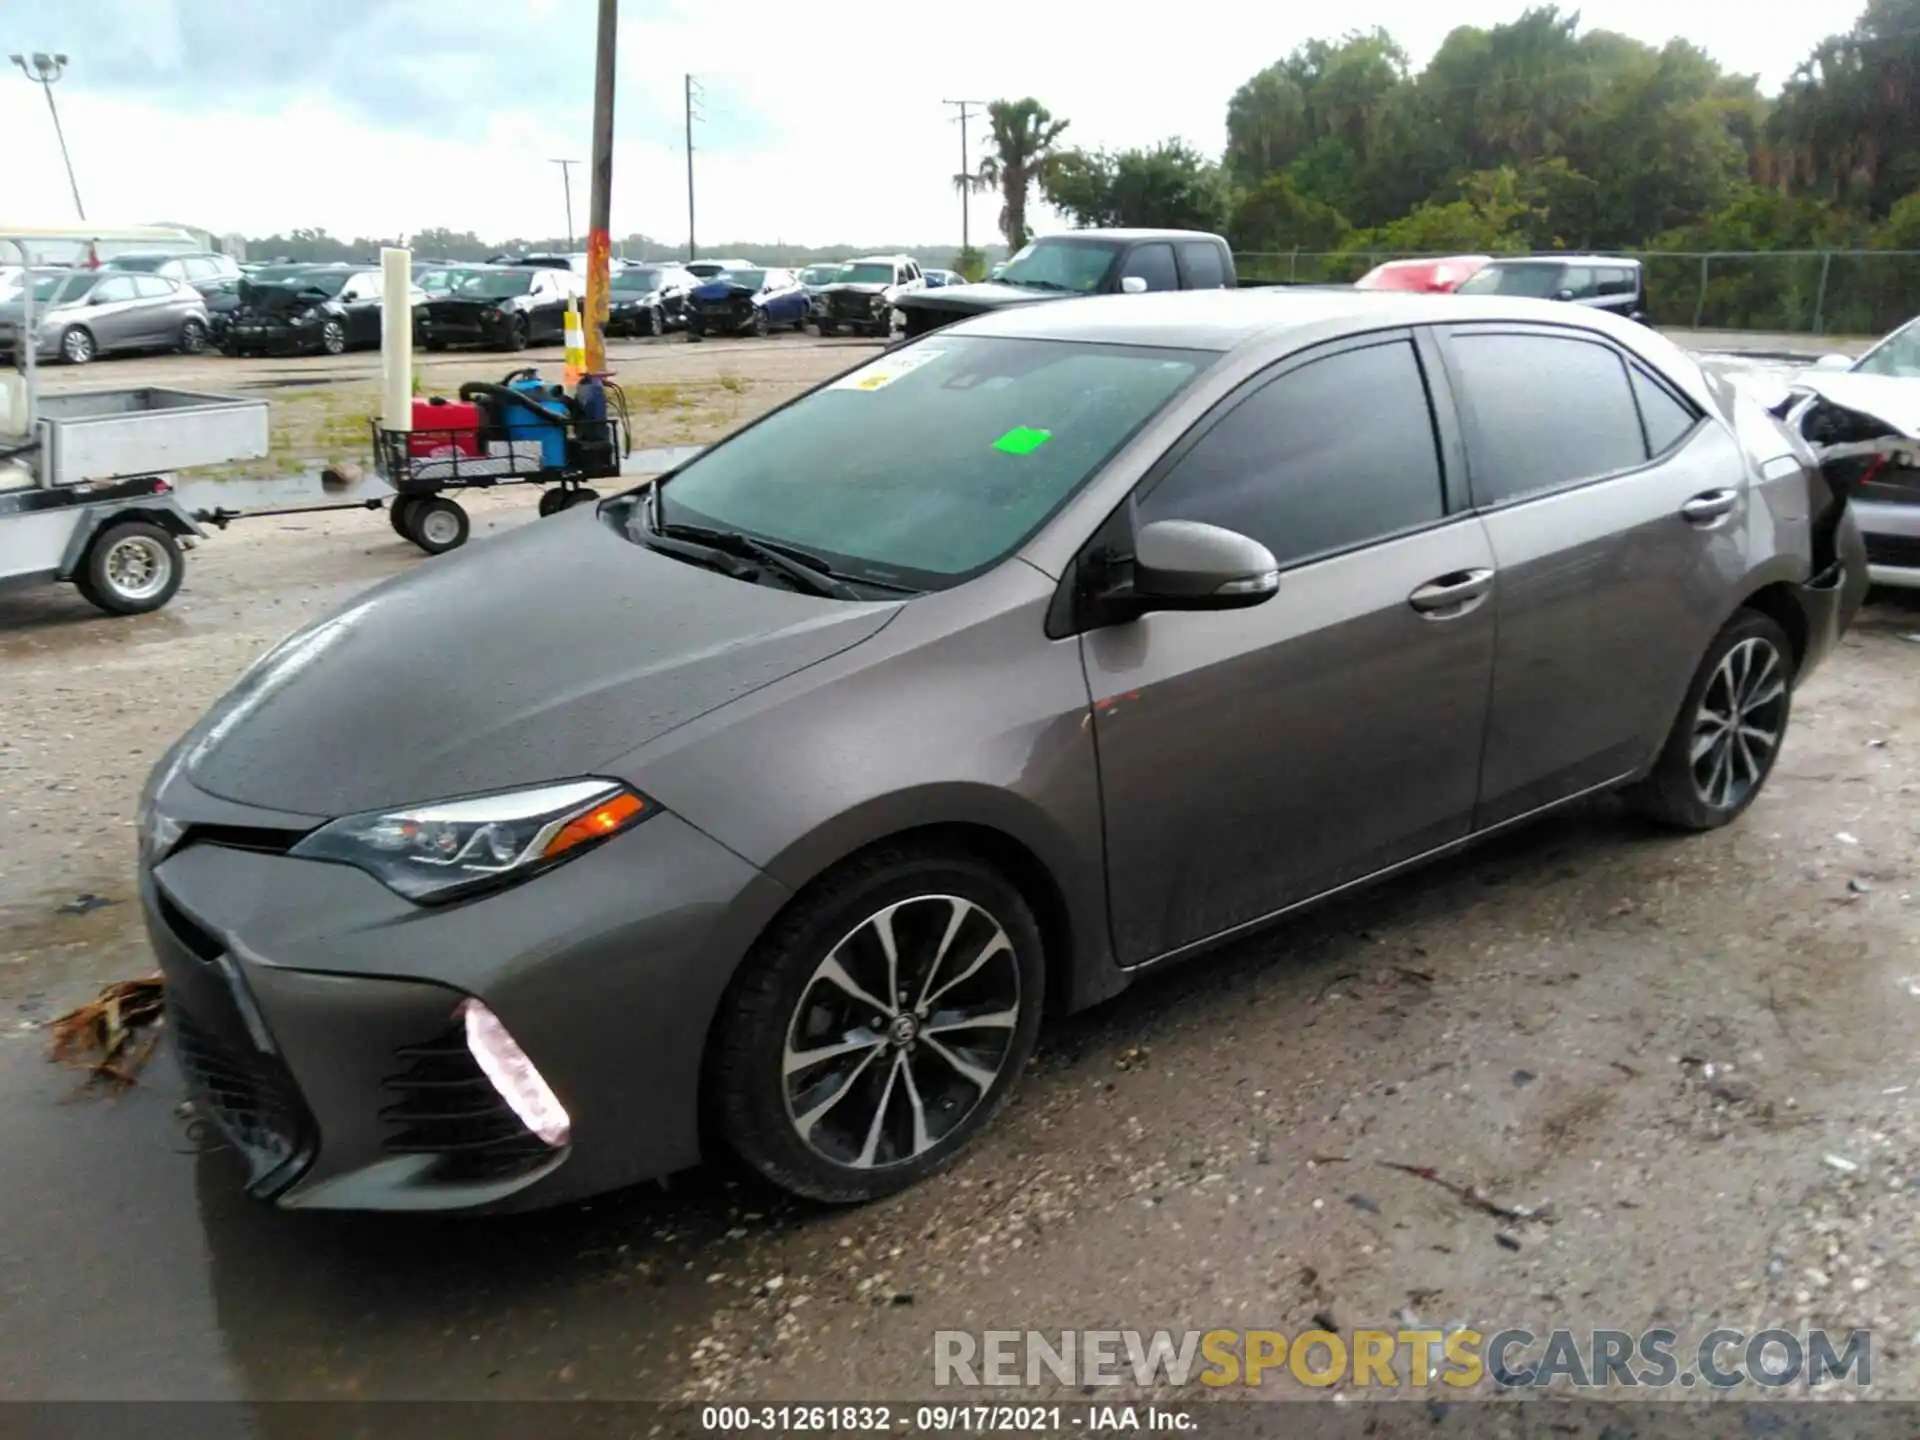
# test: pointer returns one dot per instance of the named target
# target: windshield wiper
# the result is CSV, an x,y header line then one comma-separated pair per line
x,y
1038,284
805,572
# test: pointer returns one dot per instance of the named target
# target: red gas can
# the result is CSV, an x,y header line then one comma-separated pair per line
x,y
443,427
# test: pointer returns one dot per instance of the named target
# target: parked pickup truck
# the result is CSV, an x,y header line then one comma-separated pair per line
x,y
1081,262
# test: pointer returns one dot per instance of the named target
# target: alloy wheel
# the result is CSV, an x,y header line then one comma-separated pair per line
x,y
901,1032
1737,728
137,568
333,338
76,346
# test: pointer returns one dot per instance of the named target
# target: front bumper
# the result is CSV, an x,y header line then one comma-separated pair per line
x,y
314,1013
720,319
1892,533
270,338
493,331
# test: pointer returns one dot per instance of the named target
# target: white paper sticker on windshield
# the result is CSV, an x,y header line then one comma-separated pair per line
x,y
883,372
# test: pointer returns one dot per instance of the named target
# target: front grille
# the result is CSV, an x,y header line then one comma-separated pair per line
x,y
1898,551
852,304
442,1105
249,1094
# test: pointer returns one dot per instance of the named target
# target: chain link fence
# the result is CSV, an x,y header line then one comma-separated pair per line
x,y
1813,292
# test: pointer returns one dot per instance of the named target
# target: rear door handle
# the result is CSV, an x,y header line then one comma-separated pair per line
x,y
1452,595
1708,506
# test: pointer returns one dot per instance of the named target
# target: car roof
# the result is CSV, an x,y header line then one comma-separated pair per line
x,y
1126,234
1621,260
1224,320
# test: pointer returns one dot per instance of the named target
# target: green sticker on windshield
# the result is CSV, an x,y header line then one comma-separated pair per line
x,y
1022,440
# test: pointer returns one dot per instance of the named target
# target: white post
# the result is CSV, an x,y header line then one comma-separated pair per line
x,y
396,339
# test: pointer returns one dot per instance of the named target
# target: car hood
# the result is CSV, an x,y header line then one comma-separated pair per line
x,y
856,287
1891,400
278,299
977,299
481,670
467,308
721,290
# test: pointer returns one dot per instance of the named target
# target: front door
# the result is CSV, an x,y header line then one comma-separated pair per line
x,y
1252,759
1617,513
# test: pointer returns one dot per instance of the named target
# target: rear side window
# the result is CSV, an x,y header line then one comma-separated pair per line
x,y
1616,282
1667,418
1153,264
1201,261
152,287
1334,454
1546,411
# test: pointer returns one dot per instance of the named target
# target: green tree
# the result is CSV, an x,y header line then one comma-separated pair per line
x,y
1170,186
1023,134
1275,216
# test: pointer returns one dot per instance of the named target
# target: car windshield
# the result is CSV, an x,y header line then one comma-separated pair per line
x,y
489,284
641,280
752,279
866,274
1898,355
819,274
1532,281
320,282
275,274
146,263
1060,265
934,462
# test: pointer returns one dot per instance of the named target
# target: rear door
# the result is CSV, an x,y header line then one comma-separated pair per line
x,y
360,299
1617,514
166,304
1251,759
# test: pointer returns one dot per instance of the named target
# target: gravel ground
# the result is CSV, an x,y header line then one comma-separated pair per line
x,y
1696,1054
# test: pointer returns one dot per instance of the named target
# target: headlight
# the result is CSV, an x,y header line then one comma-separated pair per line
x,y
442,851
306,317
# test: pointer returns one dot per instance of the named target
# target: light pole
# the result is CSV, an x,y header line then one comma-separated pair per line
x,y
43,69
566,179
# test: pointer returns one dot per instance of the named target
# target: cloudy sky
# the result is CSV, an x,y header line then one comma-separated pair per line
x,y
823,123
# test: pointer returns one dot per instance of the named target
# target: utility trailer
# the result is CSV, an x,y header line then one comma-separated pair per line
x,y
87,478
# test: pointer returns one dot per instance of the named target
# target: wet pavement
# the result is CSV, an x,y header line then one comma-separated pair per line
x,y
1664,1043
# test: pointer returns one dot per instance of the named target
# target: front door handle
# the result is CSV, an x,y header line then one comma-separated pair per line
x,y
1709,506
1452,595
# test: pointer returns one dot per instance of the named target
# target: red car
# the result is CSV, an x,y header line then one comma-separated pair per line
x,y
1433,276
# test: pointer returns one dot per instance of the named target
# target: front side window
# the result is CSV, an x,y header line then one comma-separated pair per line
x,y
1334,454
933,462
1545,411
1153,264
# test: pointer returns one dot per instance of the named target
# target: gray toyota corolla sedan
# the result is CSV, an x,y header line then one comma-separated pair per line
x,y
770,808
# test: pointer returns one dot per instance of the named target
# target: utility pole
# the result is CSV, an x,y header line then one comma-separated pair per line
x,y
693,252
964,180
566,180
43,69
600,203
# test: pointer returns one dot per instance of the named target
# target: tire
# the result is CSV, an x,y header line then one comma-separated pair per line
x,y
437,525
436,346
399,510
519,334
695,332
1747,670
656,321
76,345
193,338
874,1148
761,325
823,329
552,502
333,338
131,568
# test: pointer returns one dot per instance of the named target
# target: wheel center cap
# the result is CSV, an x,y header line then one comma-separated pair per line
x,y
904,1028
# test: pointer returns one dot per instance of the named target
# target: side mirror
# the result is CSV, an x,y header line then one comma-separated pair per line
x,y
1188,565
1834,361
1563,294
1133,285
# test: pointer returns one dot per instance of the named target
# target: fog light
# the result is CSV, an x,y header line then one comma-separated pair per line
x,y
504,1063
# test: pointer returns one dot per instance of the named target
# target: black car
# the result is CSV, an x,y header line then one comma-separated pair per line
x,y
305,309
648,299
500,307
1599,282
223,298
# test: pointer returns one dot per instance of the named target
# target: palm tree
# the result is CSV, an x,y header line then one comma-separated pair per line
x,y
1023,134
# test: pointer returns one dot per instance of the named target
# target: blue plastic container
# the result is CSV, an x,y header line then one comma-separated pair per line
x,y
543,422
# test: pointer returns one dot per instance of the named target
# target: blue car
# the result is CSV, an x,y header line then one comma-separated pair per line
x,y
938,278
746,302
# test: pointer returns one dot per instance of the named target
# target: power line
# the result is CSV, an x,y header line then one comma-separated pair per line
x,y
693,86
964,179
